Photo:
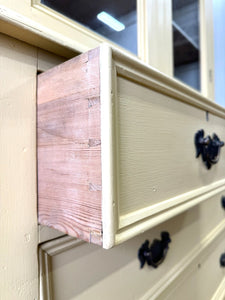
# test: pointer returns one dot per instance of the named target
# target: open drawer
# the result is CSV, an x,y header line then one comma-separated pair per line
x,y
116,150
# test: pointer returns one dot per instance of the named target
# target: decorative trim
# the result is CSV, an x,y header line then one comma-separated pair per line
x,y
187,264
37,30
135,223
138,71
46,251
193,197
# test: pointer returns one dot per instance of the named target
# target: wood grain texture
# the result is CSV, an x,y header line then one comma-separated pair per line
x,y
69,148
45,61
18,198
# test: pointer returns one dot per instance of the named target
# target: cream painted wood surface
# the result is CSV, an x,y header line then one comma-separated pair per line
x,y
156,147
202,278
18,211
155,34
220,292
115,273
207,49
19,64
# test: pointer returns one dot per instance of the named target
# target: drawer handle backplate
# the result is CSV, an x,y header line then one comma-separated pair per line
x,y
208,148
156,253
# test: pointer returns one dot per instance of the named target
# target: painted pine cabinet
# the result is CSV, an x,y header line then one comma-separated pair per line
x,y
116,149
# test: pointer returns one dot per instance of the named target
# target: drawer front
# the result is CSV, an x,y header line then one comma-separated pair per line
x,y
116,151
83,271
156,150
156,147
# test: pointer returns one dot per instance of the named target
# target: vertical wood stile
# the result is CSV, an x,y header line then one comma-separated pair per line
x,y
206,48
155,34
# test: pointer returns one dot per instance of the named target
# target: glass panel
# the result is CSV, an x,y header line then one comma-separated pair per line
x,y
86,12
186,42
219,50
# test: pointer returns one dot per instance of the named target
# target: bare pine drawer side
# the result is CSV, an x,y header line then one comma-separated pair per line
x,y
69,148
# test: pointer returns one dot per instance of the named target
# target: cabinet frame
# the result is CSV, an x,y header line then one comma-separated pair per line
x,y
43,27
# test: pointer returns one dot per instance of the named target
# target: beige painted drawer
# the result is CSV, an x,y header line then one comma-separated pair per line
x,y
116,152
202,278
78,270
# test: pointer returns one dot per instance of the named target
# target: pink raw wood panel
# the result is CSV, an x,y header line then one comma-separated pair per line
x,y
69,148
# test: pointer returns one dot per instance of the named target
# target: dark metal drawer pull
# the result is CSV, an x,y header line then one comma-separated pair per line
x,y
208,148
223,202
222,260
156,253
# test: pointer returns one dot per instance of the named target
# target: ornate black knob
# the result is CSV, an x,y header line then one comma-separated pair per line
x,y
208,148
223,202
222,260
156,253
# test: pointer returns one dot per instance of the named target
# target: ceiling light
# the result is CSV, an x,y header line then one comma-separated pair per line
x,y
110,21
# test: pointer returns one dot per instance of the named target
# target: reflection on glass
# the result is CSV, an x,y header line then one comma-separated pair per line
x,y
186,42
86,12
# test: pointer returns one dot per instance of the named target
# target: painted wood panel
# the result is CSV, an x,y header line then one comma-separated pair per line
x,y
18,209
201,279
156,147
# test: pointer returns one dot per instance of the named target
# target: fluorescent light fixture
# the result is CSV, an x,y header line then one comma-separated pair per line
x,y
110,21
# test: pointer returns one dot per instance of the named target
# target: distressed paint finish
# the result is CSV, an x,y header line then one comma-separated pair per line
x,y
69,148
18,199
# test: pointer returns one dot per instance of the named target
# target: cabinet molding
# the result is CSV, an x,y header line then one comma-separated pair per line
x,y
46,251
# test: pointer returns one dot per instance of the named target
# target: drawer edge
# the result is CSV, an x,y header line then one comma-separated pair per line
x,y
140,221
